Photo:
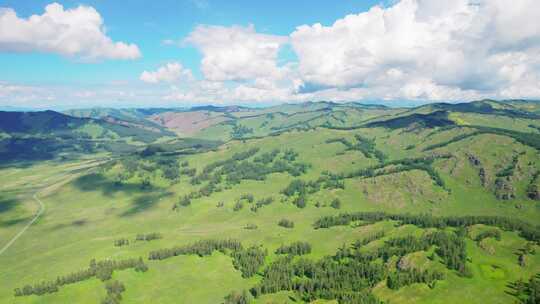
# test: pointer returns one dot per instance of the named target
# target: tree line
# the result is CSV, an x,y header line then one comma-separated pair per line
x,y
148,237
296,248
527,292
247,260
114,292
527,231
102,270
401,278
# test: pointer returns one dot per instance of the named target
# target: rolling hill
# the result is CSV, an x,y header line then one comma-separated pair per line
x,y
296,203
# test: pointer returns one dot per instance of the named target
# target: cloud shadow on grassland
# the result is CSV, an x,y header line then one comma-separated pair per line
x,y
98,182
144,203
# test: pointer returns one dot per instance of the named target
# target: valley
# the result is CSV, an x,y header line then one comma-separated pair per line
x,y
316,202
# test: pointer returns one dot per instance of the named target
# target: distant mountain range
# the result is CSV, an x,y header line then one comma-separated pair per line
x,y
48,134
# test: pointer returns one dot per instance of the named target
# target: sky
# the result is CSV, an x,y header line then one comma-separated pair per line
x,y
76,54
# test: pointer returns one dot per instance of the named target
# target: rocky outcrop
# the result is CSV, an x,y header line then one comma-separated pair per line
x,y
504,190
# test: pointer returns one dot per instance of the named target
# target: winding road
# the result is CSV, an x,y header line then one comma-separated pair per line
x,y
74,173
38,214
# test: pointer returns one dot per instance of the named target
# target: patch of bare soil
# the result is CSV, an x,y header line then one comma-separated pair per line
x,y
187,123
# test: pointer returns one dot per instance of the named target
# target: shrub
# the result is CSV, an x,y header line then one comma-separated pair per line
x,y
285,223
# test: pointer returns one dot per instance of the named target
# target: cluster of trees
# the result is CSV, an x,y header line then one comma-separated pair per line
x,y
529,248
37,289
285,223
533,191
238,168
300,201
367,147
450,247
347,280
526,230
528,292
399,246
148,237
296,248
363,144
341,140
246,170
170,168
251,226
240,131
212,166
509,170
188,171
200,248
262,202
336,203
114,292
368,239
183,201
299,187
401,278
238,206
121,242
248,197
247,260
494,233
298,190
267,157
238,298
102,270
452,250
290,155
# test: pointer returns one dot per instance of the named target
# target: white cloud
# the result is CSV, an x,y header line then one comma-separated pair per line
x,y
75,32
170,72
237,53
427,49
414,49
7,89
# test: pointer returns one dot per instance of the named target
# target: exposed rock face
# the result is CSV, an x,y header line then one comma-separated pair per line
x,y
504,190
482,175
533,192
475,162
403,263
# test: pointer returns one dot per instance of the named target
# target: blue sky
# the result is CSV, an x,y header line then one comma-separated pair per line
x,y
147,25
275,51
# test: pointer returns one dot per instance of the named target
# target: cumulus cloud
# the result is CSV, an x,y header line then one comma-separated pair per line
x,y
413,49
170,72
237,53
426,49
77,32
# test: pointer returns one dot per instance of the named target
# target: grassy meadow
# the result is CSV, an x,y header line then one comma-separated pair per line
x,y
88,208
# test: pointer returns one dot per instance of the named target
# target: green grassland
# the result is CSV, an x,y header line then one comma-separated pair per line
x,y
416,168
